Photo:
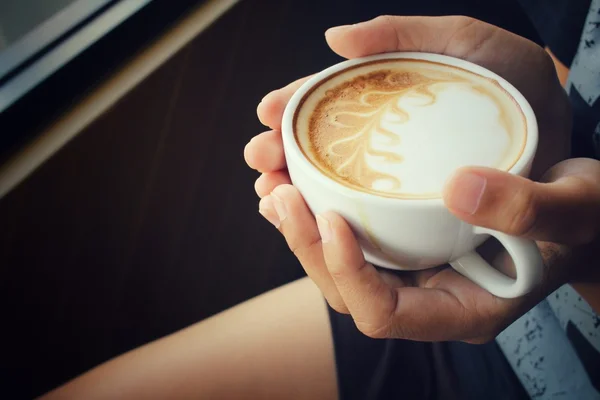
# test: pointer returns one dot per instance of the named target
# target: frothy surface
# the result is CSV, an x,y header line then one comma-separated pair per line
x,y
399,128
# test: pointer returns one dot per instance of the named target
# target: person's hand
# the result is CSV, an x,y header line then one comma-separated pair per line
x,y
439,304
523,63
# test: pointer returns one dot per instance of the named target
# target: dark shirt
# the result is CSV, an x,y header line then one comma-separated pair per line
x,y
571,29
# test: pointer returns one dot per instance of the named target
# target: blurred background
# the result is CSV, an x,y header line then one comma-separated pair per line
x,y
17,18
146,220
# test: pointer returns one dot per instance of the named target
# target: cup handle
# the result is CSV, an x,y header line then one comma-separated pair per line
x,y
526,257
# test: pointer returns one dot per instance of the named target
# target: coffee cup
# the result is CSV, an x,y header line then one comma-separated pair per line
x,y
374,139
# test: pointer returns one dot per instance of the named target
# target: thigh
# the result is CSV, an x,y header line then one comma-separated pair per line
x,y
277,345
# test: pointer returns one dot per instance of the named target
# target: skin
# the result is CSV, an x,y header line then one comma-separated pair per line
x,y
266,348
559,207
561,69
228,355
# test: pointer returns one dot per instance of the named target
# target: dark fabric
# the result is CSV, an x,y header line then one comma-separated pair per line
x,y
377,369
587,353
586,119
559,24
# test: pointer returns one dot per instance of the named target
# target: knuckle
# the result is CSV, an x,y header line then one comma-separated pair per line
x,y
338,306
374,331
521,214
301,244
302,248
386,18
392,21
463,22
381,325
338,272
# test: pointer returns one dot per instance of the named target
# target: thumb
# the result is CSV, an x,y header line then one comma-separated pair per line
x,y
565,209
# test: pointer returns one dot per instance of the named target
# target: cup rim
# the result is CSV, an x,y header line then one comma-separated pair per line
x,y
294,153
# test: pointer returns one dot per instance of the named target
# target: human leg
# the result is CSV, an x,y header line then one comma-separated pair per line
x,y
277,345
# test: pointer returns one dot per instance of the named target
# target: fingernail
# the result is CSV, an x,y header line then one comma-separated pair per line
x,y
467,191
324,229
266,210
337,29
279,207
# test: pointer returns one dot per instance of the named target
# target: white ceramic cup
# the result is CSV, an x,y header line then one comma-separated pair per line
x,y
413,234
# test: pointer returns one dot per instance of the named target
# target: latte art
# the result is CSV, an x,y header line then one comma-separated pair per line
x,y
399,128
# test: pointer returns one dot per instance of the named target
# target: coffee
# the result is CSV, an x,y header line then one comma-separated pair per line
x,y
374,139
400,127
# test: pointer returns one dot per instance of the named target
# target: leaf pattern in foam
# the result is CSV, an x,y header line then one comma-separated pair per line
x,y
359,120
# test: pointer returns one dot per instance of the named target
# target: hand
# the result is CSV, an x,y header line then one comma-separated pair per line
x,y
436,304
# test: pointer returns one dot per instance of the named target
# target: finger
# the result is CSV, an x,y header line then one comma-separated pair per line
x,y
422,278
453,302
565,210
370,299
269,181
378,309
299,228
270,110
264,152
398,33
447,299
393,279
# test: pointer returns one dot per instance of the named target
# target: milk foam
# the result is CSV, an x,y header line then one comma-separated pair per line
x,y
403,131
